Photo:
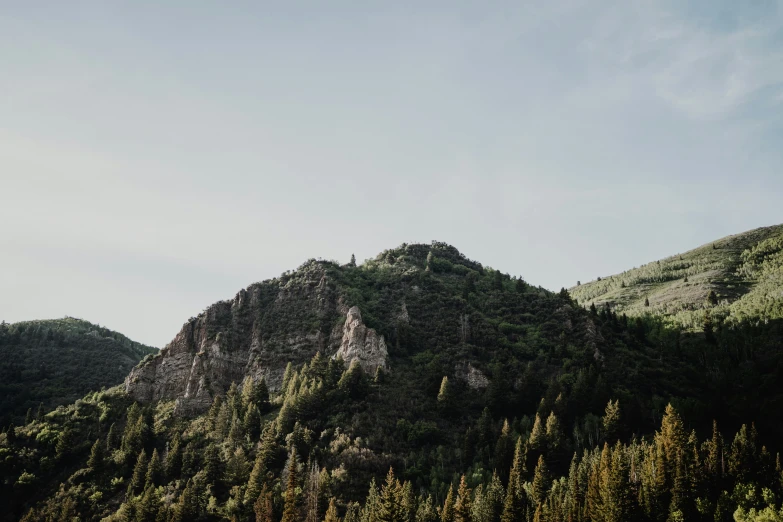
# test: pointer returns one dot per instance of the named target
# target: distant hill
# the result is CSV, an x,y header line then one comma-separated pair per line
x,y
737,279
57,361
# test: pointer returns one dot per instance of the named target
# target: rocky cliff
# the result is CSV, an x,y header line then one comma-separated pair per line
x,y
255,335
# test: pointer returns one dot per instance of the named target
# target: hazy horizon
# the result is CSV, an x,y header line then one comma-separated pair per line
x,y
156,159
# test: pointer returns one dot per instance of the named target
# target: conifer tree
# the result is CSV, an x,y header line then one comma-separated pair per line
x,y
444,394
426,511
139,473
174,458
95,462
263,506
65,442
462,505
504,450
390,505
212,464
252,421
611,421
148,506
447,513
371,504
541,481
154,476
514,503
291,505
237,468
256,481
331,512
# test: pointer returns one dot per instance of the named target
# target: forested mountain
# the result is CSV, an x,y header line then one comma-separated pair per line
x,y
44,364
421,385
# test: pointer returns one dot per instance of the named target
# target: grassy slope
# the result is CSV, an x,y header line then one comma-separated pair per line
x,y
744,270
57,361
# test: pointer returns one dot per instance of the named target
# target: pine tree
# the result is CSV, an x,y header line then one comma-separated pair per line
x,y
514,503
712,298
148,506
252,422
447,513
154,477
390,505
541,481
65,442
269,448
40,413
462,505
291,505
139,473
611,421
95,462
444,394
256,481
212,464
331,512
504,450
112,438
646,302
174,458
426,511
263,506
353,260
237,468
28,418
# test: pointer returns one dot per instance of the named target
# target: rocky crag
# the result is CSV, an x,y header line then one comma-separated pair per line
x,y
255,335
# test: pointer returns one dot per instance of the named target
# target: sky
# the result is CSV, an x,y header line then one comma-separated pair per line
x,y
158,157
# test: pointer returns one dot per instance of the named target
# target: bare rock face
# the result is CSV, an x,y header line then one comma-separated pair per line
x,y
362,344
255,335
474,377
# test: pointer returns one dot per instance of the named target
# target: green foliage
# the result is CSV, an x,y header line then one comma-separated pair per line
x,y
44,364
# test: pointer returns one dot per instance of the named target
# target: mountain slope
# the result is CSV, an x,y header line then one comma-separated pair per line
x,y
745,272
54,362
472,362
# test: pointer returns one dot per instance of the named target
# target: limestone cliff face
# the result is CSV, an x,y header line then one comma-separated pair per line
x,y
255,335
362,344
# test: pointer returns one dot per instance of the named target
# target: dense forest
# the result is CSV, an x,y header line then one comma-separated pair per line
x,y
502,402
45,364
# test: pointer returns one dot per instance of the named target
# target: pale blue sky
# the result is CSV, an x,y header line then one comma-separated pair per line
x,y
155,159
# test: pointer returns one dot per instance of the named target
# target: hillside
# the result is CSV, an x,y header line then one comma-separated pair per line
x,y
745,272
486,395
55,362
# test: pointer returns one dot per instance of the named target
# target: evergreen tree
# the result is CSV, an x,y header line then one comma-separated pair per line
x,y
611,421
353,260
444,394
252,422
541,481
139,474
257,480
462,505
331,512
263,506
95,462
174,458
154,477
447,513
65,442
390,501
291,505
426,511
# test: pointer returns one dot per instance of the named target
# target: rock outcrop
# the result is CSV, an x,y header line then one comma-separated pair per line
x,y
255,336
362,344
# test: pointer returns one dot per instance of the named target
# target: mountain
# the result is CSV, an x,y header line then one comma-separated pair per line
x,y
479,390
737,278
54,362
